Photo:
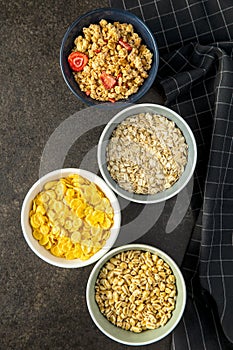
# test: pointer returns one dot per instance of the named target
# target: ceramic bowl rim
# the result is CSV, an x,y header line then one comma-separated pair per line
x,y
135,246
150,79
46,255
146,199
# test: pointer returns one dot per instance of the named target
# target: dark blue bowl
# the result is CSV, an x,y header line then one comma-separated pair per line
x,y
111,15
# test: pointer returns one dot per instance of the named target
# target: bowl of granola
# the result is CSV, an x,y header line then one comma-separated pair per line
x,y
109,55
136,294
147,153
70,218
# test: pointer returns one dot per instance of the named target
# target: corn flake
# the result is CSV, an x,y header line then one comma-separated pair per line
x,y
71,217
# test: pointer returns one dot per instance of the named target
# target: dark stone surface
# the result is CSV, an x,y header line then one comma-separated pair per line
x,y
43,307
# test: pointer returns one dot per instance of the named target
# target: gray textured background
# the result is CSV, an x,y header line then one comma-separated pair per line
x,y
41,306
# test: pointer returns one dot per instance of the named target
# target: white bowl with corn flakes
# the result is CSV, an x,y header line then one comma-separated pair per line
x,y
70,218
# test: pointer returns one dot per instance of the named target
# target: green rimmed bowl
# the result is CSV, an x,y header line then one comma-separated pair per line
x,y
127,337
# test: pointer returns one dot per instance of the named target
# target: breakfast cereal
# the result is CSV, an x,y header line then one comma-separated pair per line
x,y
146,153
136,291
71,217
109,61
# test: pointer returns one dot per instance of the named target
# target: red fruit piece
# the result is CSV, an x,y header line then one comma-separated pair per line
x,y
88,92
125,44
112,100
108,80
77,61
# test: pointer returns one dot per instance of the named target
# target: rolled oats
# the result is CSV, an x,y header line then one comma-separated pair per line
x,y
146,154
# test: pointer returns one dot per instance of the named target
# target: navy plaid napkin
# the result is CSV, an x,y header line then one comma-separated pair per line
x,y
195,40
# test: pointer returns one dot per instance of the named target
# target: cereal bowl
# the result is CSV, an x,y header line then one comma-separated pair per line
x,y
110,15
41,249
167,117
128,336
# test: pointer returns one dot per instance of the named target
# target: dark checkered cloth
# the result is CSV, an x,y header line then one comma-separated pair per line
x,y
195,40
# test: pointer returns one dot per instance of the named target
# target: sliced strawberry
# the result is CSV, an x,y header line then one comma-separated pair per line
x,y
97,51
77,61
125,44
88,92
118,77
113,100
108,80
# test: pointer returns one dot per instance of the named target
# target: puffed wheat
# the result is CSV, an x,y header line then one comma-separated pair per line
x,y
137,298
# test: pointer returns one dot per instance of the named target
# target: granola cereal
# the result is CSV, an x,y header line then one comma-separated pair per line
x,y
111,59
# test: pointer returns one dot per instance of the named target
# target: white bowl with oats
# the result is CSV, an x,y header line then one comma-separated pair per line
x,y
70,218
136,294
147,153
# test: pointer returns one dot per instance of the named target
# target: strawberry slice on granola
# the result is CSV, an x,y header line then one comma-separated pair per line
x,y
108,80
126,45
